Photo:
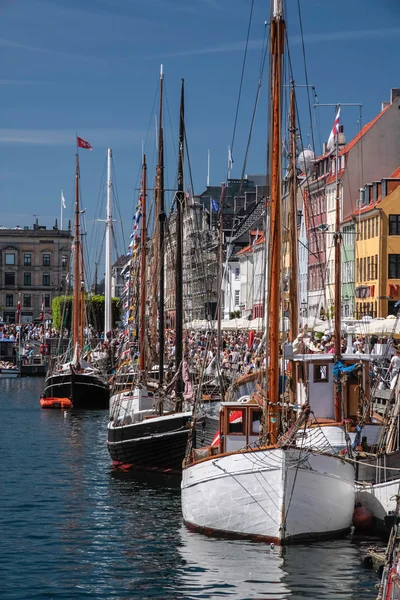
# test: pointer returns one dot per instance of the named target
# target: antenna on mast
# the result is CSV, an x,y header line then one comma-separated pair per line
x,y
208,168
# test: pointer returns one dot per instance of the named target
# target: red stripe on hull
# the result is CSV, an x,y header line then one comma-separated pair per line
x,y
127,467
208,531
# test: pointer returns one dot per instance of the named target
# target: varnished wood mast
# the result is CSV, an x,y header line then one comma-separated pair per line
x,y
180,198
276,49
143,283
76,311
293,270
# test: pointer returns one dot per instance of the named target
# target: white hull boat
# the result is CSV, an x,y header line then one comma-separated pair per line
x,y
277,495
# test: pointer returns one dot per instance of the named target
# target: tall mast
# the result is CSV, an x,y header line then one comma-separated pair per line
x,y
338,286
161,218
82,301
276,49
77,243
143,282
338,274
220,273
107,307
294,298
179,232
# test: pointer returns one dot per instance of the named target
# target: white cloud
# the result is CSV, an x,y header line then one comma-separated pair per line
x,y
310,38
64,137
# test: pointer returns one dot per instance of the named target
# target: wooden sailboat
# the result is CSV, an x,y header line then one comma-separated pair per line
x,y
147,429
77,379
256,483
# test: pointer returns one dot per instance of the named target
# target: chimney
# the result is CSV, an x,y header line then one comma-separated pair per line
x,y
384,105
324,147
394,93
341,138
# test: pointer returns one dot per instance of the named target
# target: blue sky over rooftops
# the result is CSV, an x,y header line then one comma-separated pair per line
x,y
91,67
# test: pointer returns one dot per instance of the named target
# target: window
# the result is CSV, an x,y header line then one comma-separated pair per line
x,y
237,297
64,260
321,373
9,279
27,278
237,273
9,300
27,260
368,268
46,260
394,224
369,228
46,278
394,266
10,259
256,421
235,425
46,301
27,301
372,227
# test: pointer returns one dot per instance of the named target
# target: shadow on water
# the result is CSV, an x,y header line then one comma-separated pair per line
x,y
72,527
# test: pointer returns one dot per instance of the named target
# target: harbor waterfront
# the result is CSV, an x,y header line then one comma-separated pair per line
x,y
72,527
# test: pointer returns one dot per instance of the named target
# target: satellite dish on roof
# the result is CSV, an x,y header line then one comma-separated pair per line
x,y
305,161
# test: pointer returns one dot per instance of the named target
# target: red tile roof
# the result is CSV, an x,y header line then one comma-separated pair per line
x,y
396,174
332,178
361,133
357,138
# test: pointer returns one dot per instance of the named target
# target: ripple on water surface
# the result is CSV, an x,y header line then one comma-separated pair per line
x,y
72,528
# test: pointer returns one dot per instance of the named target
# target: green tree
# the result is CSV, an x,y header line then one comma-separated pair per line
x,y
62,308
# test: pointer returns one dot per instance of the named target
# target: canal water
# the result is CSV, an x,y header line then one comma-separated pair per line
x,y
72,528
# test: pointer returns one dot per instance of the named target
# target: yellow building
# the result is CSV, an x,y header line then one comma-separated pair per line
x,y
377,248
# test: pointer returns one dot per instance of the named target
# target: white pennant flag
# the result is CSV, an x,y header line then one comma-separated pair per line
x,y
63,200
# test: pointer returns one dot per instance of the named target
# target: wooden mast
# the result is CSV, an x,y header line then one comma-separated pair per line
x,y
161,219
76,311
143,282
220,272
338,287
294,286
276,49
82,301
179,232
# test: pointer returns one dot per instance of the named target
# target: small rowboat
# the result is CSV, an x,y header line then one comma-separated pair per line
x,y
55,403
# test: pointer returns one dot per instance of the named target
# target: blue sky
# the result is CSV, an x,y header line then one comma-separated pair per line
x,y
91,67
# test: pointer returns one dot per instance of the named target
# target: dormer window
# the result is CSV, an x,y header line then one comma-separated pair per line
x,y
375,192
384,188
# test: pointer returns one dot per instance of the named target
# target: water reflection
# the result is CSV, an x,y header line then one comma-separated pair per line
x,y
232,569
74,528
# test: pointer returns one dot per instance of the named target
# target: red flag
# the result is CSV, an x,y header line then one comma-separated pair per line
x,y
82,144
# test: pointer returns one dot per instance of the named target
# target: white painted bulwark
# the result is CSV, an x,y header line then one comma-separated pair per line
x,y
379,498
273,494
130,403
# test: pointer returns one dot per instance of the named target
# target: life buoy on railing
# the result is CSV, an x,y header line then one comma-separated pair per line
x,y
44,349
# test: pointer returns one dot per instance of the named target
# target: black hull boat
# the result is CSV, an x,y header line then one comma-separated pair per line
x,y
157,443
87,391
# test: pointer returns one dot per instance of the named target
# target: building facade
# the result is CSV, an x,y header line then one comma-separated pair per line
x,y
34,267
377,251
